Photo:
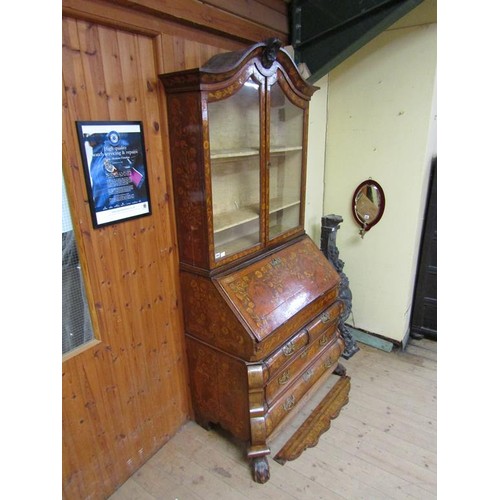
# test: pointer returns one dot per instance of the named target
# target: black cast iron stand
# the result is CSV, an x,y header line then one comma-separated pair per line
x,y
329,227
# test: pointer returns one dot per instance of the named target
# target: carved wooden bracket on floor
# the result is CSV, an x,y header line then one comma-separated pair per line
x,y
318,422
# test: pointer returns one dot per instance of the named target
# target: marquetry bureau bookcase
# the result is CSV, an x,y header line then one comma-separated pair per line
x,y
260,300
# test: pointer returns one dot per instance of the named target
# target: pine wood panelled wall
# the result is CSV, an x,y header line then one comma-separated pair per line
x,y
126,393
246,21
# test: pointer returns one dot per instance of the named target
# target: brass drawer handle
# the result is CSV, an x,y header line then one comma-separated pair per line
x,y
323,340
289,403
288,349
276,262
284,378
325,317
308,374
328,363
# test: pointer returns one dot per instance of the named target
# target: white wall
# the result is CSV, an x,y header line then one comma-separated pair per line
x,y
316,160
381,124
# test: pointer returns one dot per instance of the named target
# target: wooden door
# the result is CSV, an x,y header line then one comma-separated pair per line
x,y
125,393
424,312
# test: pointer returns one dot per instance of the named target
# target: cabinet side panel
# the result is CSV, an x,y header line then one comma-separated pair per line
x,y
208,317
219,389
186,151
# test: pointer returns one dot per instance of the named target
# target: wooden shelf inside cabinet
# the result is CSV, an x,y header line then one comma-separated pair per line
x,y
233,246
228,220
285,149
277,204
228,154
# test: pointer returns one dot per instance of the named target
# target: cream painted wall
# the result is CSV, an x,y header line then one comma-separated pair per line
x,y
316,160
381,124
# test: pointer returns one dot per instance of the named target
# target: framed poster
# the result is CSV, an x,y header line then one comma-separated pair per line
x,y
114,161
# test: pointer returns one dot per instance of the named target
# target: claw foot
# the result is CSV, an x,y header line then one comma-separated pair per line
x,y
340,370
260,469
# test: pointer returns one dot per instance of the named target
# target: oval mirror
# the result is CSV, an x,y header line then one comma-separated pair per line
x,y
368,204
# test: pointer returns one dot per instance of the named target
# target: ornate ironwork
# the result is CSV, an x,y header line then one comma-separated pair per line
x,y
329,227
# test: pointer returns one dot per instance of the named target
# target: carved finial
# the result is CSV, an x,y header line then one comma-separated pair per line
x,y
270,52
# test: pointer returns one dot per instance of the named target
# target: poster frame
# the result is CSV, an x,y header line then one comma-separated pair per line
x,y
113,214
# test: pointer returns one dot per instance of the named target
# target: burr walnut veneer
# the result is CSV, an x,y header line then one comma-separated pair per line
x,y
260,300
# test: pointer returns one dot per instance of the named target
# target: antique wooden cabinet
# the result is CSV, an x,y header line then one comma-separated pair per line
x,y
260,300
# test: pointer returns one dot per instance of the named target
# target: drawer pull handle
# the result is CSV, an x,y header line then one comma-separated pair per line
x,y
308,374
284,378
288,349
289,403
325,317
323,340
276,262
328,363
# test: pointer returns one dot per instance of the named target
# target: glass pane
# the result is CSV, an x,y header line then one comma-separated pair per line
x,y
76,325
285,171
235,161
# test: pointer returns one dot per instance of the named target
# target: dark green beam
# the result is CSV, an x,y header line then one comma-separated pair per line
x,y
326,32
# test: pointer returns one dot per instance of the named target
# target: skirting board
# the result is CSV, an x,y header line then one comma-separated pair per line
x,y
371,340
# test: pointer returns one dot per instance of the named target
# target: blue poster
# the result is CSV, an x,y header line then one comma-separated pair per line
x,y
115,170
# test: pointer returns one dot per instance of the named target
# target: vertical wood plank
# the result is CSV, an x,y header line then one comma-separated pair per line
x,y
90,53
73,75
113,78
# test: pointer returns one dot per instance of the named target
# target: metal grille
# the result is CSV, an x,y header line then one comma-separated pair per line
x,y
76,324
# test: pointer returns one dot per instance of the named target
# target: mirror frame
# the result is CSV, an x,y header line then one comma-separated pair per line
x,y
368,226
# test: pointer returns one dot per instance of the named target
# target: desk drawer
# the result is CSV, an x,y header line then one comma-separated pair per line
x,y
291,370
325,360
286,353
327,320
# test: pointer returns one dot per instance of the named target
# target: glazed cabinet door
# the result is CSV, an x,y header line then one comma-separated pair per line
x,y
257,167
286,165
235,170
237,133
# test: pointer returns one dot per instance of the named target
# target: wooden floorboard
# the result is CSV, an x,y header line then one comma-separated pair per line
x,y
381,446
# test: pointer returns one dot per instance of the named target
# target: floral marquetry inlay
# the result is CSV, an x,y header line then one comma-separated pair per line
x,y
271,291
186,137
229,90
209,318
